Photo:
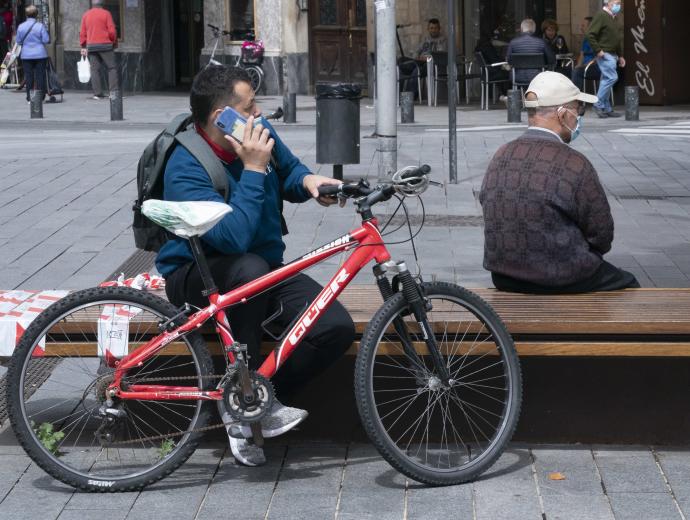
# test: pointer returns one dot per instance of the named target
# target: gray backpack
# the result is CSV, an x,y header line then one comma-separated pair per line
x,y
151,168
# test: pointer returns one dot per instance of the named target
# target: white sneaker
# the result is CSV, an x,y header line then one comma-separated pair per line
x,y
246,453
279,420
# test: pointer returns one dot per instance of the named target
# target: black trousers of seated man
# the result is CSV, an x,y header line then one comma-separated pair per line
x,y
607,277
326,342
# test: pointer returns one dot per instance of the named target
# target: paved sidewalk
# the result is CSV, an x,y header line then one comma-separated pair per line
x,y
67,186
320,480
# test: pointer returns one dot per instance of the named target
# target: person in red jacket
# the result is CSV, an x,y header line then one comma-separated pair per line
x,y
98,39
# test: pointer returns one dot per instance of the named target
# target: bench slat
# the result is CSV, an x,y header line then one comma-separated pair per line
x,y
524,348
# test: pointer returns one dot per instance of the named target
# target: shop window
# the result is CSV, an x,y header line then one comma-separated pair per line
x,y
116,8
240,19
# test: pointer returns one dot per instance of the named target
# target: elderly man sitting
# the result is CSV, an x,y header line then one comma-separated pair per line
x,y
547,221
527,43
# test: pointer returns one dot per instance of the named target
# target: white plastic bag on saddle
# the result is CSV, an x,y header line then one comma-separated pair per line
x,y
84,70
185,219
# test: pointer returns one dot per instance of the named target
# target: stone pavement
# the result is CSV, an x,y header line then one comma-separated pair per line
x,y
319,480
68,182
66,188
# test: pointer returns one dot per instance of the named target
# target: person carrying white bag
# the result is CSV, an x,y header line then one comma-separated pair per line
x,y
98,39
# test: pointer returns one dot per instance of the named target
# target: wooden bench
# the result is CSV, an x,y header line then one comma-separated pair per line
x,y
633,322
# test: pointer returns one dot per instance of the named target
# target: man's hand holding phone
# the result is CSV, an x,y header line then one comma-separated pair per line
x,y
255,148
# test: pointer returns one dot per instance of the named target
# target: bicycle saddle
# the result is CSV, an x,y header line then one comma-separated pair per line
x,y
185,219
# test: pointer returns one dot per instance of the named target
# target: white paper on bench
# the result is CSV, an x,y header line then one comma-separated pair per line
x,y
113,329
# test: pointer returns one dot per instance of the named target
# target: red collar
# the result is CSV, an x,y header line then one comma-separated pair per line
x,y
221,153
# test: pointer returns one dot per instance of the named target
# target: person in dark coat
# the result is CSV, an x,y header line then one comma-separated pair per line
x,y
547,221
527,43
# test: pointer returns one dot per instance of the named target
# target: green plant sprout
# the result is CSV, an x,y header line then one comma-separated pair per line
x,y
48,436
165,448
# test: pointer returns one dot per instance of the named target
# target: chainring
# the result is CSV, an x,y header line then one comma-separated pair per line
x,y
235,405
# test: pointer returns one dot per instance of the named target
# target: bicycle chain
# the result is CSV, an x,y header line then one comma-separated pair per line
x,y
178,434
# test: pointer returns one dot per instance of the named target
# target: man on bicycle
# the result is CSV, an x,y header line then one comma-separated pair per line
x,y
247,243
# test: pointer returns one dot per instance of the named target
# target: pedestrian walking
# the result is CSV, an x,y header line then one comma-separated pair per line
x,y
33,36
98,39
605,37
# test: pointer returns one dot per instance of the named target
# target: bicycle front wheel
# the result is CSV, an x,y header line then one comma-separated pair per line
x,y
57,383
439,432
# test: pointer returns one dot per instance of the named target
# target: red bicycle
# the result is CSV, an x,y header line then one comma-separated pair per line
x,y
437,379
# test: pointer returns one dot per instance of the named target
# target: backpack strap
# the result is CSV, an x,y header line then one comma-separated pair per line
x,y
178,124
202,152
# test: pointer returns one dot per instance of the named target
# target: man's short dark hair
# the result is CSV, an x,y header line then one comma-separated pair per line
x,y
434,21
214,87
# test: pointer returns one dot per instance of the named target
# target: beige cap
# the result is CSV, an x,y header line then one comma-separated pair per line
x,y
554,89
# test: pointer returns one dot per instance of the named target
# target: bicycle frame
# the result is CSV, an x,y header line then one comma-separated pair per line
x,y
367,244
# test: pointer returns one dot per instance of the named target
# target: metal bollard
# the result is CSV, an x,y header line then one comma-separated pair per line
x,y
407,107
514,106
338,171
36,107
116,105
36,104
632,103
290,108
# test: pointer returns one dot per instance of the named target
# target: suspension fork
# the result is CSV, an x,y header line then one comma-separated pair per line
x,y
417,304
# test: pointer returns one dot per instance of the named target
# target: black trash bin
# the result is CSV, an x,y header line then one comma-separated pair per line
x,y
337,124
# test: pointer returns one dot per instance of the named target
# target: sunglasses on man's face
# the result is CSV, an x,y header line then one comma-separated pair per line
x,y
581,108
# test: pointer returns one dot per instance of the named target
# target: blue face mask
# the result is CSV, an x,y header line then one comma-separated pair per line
x,y
616,8
574,132
578,129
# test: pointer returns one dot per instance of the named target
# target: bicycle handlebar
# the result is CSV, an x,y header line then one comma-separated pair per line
x,y
380,193
217,30
424,169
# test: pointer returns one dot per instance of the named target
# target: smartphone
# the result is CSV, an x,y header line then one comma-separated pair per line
x,y
233,124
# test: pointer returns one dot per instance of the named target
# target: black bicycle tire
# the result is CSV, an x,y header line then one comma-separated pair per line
x,y
259,75
19,422
367,407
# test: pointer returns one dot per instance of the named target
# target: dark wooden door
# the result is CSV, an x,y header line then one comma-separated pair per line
x,y
338,41
189,38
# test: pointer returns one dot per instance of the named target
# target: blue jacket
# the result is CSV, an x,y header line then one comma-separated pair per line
x,y
254,224
33,40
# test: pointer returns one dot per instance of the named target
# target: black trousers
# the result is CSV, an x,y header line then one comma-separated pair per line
x,y
35,75
331,336
607,277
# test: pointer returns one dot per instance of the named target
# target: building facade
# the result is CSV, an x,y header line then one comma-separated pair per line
x,y
162,43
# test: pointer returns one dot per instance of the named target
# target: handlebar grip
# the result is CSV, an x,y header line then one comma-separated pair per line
x,y
329,190
424,169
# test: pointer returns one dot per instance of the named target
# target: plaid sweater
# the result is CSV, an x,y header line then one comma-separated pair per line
x,y
546,217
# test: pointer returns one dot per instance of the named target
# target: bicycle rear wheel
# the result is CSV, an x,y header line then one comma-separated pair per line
x,y
256,75
59,419
434,432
